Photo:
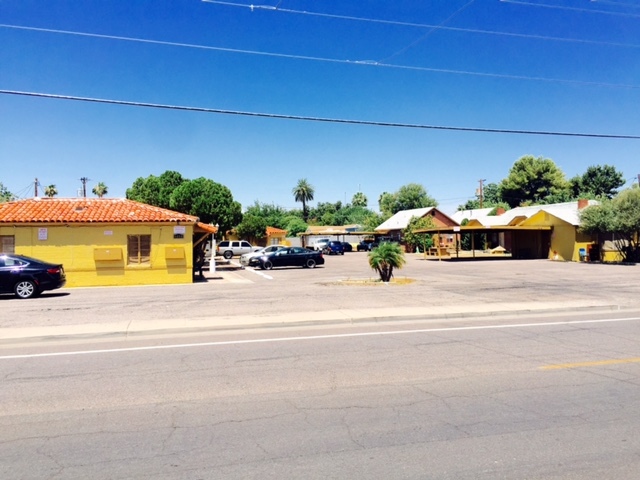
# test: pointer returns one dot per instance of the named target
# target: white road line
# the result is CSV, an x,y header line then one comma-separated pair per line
x,y
317,337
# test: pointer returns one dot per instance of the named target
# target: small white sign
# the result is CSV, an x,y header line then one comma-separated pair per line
x,y
108,232
179,230
43,233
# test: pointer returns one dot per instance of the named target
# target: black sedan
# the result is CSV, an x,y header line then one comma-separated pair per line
x,y
367,245
288,257
27,277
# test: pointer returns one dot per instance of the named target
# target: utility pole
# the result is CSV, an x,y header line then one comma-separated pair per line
x,y
481,191
35,184
84,181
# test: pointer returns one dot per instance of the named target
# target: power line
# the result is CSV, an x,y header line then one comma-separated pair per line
x,y
269,8
318,119
574,9
430,31
329,60
620,4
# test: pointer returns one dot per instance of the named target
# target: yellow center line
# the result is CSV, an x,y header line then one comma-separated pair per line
x,y
591,364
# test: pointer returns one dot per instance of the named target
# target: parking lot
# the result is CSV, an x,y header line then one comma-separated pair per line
x,y
338,286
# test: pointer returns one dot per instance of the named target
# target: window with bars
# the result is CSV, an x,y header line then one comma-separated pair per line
x,y
7,244
139,249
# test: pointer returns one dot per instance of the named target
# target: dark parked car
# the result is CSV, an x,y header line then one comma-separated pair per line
x,y
334,248
288,257
367,245
27,277
347,247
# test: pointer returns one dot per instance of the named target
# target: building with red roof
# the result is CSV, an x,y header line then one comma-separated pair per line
x,y
105,241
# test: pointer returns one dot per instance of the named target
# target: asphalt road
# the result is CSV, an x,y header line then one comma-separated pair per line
x,y
514,399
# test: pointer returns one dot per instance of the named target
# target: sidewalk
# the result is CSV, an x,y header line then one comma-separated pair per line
x,y
127,328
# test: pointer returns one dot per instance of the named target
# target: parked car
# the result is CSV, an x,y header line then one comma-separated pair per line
x,y
288,257
347,247
333,248
246,257
234,248
319,244
28,277
366,245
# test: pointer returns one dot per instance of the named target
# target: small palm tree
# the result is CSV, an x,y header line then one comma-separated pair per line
x,y
385,258
100,190
303,192
51,191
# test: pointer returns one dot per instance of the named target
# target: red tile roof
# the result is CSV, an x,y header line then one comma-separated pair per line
x,y
86,210
275,231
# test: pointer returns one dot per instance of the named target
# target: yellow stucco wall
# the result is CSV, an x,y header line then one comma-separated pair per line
x,y
566,241
96,255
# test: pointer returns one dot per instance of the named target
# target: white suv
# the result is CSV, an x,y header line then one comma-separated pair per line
x,y
230,248
320,244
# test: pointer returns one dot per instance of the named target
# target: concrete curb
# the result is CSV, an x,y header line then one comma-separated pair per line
x,y
296,319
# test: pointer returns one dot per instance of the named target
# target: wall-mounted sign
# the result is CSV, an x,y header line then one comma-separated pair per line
x,y
108,232
179,231
42,233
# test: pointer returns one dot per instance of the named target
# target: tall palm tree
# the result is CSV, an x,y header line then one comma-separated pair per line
x,y
51,191
303,192
385,258
359,200
100,190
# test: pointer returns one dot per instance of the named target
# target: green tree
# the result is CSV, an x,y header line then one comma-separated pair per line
x,y
534,180
303,192
490,198
50,191
619,217
273,215
253,227
324,213
155,190
408,197
352,215
413,239
599,181
100,190
373,220
385,258
359,200
294,225
211,202
386,203
5,194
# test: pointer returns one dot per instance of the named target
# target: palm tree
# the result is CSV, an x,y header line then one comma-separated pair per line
x,y
100,190
303,192
51,191
385,258
359,200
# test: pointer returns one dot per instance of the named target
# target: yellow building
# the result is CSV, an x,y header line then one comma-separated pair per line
x,y
276,236
104,241
540,231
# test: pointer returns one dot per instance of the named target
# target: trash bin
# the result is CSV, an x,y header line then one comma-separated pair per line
x,y
583,254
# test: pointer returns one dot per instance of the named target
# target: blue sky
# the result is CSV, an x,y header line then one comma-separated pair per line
x,y
534,65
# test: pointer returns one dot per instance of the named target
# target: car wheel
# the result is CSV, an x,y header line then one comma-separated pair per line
x,y
342,253
267,265
25,289
228,254
311,263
